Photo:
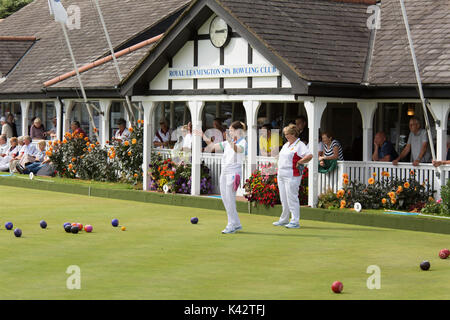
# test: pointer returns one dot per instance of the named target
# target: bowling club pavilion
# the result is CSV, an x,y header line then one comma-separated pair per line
x,y
255,61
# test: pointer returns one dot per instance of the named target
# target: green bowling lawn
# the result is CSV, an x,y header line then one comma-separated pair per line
x,y
161,255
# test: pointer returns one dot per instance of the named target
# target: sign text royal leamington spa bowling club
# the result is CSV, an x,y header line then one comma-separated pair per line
x,y
223,72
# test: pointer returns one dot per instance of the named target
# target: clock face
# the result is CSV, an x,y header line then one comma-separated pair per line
x,y
219,32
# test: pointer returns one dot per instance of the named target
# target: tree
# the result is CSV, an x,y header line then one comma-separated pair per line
x,y
8,7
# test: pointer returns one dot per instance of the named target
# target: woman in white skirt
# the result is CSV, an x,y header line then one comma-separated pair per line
x,y
233,157
292,158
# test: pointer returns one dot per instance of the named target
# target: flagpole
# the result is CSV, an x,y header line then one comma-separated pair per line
x,y
419,81
127,98
69,46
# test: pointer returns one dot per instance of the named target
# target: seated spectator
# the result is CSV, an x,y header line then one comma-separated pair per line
x,y
383,149
187,140
122,133
10,154
26,155
332,149
301,124
217,125
163,135
76,128
52,132
269,142
3,145
7,129
417,144
37,130
40,160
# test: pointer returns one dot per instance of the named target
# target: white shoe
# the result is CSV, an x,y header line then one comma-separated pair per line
x,y
238,228
293,225
280,224
229,230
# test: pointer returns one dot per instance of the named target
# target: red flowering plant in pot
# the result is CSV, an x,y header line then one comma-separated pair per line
x,y
262,187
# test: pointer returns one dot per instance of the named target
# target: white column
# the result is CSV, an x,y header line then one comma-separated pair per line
x,y
196,110
367,109
105,106
25,106
441,110
58,109
66,118
147,151
251,111
314,111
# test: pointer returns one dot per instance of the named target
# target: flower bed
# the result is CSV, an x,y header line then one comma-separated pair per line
x,y
386,193
176,176
76,156
262,187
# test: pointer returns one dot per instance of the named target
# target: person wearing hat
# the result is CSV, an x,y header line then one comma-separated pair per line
x,y
122,133
6,128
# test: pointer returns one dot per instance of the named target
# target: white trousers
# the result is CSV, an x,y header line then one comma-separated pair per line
x,y
289,198
229,198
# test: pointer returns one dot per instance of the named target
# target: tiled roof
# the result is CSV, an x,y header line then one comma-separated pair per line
x,y
49,56
430,29
10,52
323,40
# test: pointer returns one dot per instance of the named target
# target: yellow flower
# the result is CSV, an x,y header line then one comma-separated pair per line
x,y
133,141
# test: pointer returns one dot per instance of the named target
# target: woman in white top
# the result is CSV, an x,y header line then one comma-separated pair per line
x,y
291,159
10,154
233,157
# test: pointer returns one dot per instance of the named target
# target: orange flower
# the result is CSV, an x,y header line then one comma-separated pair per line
x,y
97,143
129,153
343,203
74,159
412,172
48,153
383,201
133,141
86,139
130,129
70,166
340,193
126,143
400,189
89,149
64,141
406,185
136,175
345,176
345,181
84,149
92,146
87,144
95,130
371,181
374,174
393,200
391,195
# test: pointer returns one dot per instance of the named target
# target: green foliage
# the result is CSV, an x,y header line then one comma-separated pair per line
x,y
389,193
432,207
328,200
8,7
445,195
